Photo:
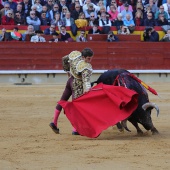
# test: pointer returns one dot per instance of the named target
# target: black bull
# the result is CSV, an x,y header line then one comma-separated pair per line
x,y
142,115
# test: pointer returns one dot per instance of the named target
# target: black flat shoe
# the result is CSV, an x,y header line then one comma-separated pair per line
x,y
54,128
75,133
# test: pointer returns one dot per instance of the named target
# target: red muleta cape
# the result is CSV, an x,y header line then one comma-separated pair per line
x,y
103,106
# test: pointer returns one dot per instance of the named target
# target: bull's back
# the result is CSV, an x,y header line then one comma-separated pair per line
x,y
109,76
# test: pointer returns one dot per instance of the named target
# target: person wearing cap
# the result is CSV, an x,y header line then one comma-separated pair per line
x,y
123,7
38,37
7,19
55,37
126,11
78,64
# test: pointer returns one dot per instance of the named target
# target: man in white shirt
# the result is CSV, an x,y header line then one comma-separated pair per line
x,y
38,37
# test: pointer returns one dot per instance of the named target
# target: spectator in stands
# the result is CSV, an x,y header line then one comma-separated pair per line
x,y
94,30
124,7
87,2
26,6
65,36
55,37
72,6
67,20
150,35
3,11
33,19
113,2
57,20
19,10
81,21
104,21
75,13
129,23
15,35
63,12
1,6
2,36
139,7
49,5
26,36
62,3
113,13
126,11
13,5
102,10
150,21
148,10
44,20
162,12
50,30
54,11
152,5
7,19
38,5
111,37
124,30
119,22
44,9
81,37
92,20
89,10
100,3
38,37
166,37
161,20
18,19
139,19
34,8
167,8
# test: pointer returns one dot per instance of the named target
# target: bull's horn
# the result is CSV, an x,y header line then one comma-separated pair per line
x,y
146,105
124,124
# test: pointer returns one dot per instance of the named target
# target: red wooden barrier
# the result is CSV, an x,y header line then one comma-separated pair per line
x,y
47,56
103,37
24,27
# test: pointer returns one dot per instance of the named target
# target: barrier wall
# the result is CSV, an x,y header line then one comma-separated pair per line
x,y
47,56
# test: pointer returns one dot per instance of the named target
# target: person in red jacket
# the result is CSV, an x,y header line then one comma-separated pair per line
x,y
7,19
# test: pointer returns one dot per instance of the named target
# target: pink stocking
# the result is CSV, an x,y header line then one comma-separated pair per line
x,y
56,115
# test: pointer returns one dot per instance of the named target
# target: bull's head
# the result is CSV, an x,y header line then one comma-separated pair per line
x,y
145,119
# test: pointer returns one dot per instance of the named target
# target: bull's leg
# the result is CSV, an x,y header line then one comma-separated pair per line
x,y
120,127
134,123
154,131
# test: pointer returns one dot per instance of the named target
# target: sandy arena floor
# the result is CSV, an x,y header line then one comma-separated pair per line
x,y
28,143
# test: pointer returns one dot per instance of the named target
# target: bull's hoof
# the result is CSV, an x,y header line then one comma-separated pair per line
x,y
155,132
139,132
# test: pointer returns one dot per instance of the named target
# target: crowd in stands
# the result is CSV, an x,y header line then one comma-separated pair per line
x,y
125,15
